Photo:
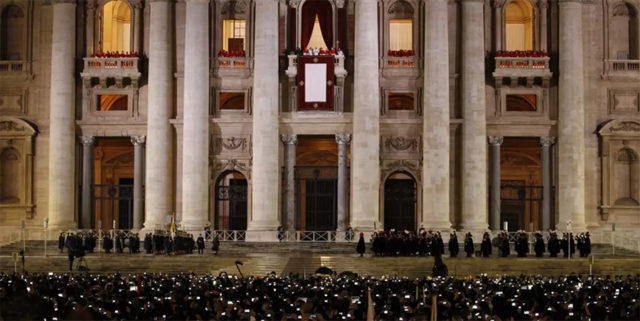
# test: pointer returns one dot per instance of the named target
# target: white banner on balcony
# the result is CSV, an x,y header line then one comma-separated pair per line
x,y
315,83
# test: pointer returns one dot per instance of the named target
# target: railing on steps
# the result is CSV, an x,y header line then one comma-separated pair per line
x,y
11,66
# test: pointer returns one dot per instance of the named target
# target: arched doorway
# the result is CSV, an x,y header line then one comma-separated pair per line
x,y
400,202
231,201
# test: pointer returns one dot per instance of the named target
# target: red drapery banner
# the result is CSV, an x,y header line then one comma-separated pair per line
x,y
321,8
327,104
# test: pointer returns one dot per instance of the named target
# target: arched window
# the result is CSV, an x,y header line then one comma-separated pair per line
x,y
518,25
12,33
626,177
400,26
9,175
116,27
623,32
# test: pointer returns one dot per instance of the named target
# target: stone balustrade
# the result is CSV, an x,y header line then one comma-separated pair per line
x,y
400,62
111,67
622,68
529,68
234,62
338,64
528,63
11,66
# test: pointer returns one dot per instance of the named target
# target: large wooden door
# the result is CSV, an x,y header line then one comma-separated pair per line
x,y
231,205
321,204
400,204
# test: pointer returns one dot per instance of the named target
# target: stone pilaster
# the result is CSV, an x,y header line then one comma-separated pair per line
x,y
160,158
138,178
474,145
195,137
571,131
290,142
494,178
365,157
265,170
545,155
435,153
343,141
87,177
62,138
90,13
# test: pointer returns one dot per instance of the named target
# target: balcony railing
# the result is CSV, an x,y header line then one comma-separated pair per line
x,y
11,66
400,62
522,63
234,62
624,66
124,66
338,64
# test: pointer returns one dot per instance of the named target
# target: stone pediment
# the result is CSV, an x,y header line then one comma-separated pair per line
x,y
617,127
11,126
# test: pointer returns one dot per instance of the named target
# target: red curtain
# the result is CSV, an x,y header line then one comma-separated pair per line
x,y
322,8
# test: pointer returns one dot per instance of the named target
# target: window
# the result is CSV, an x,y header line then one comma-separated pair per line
x,y
623,32
12,34
112,102
9,171
231,101
400,101
521,102
400,34
233,34
116,27
519,25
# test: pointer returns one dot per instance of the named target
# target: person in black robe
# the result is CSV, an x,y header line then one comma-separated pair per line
x,y
107,244
440,242
61,242
439,268
468,244
360,248
119,243
485,246
553,245
587,244
71,258
200,243
522,244
148,247
454,246
504,245
572,244
216,243
580,243
538,247
564,244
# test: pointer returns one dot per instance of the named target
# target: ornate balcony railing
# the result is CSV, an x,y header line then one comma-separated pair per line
x,y
11,66
338,64
519,63
234,62
400,62
111,67
228,235
623,66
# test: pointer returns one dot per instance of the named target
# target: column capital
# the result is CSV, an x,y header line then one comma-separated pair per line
x,y
577,1
547,141
54,2
197,1
343,138
496,140
289,139
87,140
138,140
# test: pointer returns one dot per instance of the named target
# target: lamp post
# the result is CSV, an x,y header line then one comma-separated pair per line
x,y
46,234
570,238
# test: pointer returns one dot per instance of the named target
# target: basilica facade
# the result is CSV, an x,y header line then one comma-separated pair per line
x,y
319,115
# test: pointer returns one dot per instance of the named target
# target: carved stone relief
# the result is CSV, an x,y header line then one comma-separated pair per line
x,y
413,167
624,101
221,145
403,144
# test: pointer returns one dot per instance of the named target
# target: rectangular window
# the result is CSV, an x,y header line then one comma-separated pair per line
x,y
231,101
522,103
233,35
400,101
112,102
400,34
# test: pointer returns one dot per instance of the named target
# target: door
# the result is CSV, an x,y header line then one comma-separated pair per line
x,y
400,204
321,204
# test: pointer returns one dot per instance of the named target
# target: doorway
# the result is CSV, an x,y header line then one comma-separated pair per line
x,y
400,202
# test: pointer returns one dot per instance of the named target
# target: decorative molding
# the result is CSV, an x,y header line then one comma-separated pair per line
x,y
496,140
547,141
412,167
626,126
289,139
624,101
138,140
7,125
14,101
343,139
87,140
223,165
402,144
230,144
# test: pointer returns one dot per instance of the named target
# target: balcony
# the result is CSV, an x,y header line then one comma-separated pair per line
x,y
234,62
119,67
533,70
400,62
11,66
622,69
339,72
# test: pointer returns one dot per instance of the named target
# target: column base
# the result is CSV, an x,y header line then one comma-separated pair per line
x,y
194,227
62,227
262,236
262,226
475,227
366,225
149,227
437,225
575,227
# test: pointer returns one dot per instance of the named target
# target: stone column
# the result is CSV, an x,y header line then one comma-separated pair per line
x,y
545,155
195,137
435,137
494,213
265,171
365,157
542,8
160,159
137,27
474,145
571,180
343,141
62,138
138,177
90,12
87,177
290,142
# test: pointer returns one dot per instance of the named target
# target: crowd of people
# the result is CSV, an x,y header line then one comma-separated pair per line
x,y
337,297
431,243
